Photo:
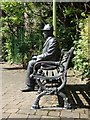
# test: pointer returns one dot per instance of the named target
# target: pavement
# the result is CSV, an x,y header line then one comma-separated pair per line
x,y
17,105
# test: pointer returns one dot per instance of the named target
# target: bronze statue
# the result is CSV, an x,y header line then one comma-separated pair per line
x,y
50,52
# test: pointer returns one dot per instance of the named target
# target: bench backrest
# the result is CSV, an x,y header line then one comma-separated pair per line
x,y
65,59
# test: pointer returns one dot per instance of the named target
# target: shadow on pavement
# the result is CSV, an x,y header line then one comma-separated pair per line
x,y
79,95
13,68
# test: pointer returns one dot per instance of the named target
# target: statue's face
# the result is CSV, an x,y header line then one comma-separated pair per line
x,y
46,34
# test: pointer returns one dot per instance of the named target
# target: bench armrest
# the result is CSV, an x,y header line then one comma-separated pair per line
x,y
47,65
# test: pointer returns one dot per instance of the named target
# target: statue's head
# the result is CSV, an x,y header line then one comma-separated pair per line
x,y
47,31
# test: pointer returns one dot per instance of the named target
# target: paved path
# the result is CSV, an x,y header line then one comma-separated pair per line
x,y
16,104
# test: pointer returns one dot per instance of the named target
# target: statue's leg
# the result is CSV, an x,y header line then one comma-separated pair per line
x,y
29,81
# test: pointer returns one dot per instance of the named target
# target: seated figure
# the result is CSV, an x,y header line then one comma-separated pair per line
x,y
50,52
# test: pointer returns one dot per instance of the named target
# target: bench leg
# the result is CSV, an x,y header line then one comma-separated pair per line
x,y
36,102
41,86
65,100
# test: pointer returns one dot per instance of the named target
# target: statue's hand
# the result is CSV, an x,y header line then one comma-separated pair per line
x,y
38,59
34,58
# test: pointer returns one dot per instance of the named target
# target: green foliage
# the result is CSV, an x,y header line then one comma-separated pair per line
x,y
81,59
19,33
22,35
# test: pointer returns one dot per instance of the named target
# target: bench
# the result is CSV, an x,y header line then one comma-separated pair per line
x,y
51,78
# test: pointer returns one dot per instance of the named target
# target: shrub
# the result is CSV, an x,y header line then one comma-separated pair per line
x,y
81,59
